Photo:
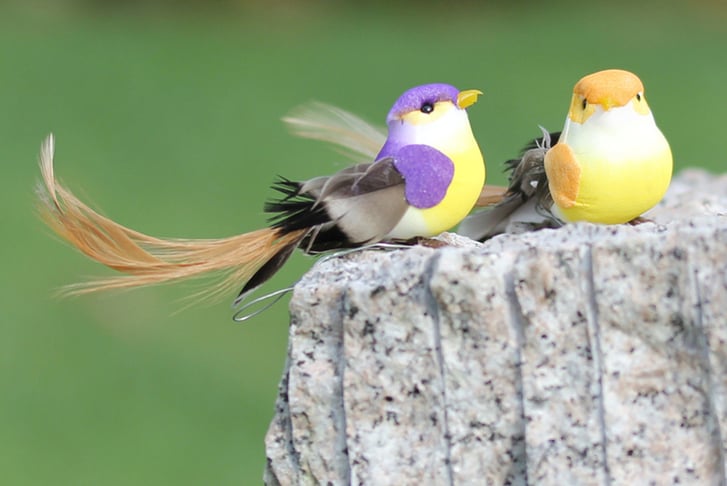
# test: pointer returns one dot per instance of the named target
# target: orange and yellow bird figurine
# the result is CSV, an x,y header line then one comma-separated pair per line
x,y
611,163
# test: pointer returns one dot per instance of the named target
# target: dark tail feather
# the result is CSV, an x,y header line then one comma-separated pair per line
x,y
483,225
270,268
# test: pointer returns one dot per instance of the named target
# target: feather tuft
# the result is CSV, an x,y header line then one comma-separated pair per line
x,y
359,140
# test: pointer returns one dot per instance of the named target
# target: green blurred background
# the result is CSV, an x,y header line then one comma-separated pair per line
x,y
167,118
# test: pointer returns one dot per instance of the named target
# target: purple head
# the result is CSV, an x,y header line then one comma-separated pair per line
x,y
415,98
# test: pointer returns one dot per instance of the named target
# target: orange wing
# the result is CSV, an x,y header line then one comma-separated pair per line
x,y
564,175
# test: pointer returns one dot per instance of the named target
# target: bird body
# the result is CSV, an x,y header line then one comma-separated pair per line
x,y
426,178
360,140
610,164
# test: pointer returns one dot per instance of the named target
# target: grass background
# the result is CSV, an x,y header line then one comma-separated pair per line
x,y
167,118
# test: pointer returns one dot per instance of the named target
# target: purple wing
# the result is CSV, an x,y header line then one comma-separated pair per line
x,y
427,174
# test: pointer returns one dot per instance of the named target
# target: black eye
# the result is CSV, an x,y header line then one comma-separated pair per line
x,y
638,96
584,104
427,108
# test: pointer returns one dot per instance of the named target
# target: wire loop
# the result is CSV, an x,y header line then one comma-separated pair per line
x,y
274,297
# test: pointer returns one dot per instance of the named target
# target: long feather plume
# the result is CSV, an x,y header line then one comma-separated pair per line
x,y
320,121
144,259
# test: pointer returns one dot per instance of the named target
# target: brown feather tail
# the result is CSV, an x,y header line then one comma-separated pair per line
x,y
147,260
490,196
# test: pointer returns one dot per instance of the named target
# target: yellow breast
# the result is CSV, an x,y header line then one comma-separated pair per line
x,y
463,191
617,192
469,177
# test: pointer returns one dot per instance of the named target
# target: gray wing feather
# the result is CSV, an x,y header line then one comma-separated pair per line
x,y
364,201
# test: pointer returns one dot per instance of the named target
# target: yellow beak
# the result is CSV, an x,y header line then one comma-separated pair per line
x,y
608,103
468,97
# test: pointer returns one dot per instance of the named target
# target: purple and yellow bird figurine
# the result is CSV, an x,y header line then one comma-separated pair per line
x,y
426,178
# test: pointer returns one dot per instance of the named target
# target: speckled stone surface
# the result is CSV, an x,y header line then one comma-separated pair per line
x,y
583,355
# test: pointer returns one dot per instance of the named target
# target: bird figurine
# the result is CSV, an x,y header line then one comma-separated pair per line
x,y
609,165
425,179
